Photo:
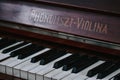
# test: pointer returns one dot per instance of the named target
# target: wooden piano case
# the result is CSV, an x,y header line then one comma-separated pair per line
x,y
75,29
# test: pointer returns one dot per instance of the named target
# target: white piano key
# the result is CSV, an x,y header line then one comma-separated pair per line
x,y
9,68
50,68
31,76
51,74
111,75
19,61
17,48
3,56
17,69
11,46
106,78
9,60
27,63
40,75
24,75
24,70
71,76
92,78
32,73
28,67
82,73
61,75
16,72
82,77
6,62
47,68
111,79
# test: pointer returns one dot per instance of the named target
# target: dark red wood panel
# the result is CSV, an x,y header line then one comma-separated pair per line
x,y
87,24
102,5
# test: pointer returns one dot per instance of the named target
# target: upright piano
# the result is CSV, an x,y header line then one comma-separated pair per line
x,y
59,40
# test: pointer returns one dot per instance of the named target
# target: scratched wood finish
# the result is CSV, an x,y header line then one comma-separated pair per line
x,y
98,26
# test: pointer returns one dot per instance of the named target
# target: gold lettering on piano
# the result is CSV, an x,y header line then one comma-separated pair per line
x,y
80,23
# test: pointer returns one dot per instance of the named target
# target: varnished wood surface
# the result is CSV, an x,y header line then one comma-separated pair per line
x,y
102,5
52,42
68,23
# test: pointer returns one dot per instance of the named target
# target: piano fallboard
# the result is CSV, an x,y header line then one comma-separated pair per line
x,y
47,40
85,23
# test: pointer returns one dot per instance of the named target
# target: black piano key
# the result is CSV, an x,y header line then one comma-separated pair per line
x,y
77,68
66,60
7,43
117,77
19,51
56,55
45,54
30,50
108,70
98,69
80,60
36,58
14,47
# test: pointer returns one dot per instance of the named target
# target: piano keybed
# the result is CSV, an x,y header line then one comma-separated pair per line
x,y
31,61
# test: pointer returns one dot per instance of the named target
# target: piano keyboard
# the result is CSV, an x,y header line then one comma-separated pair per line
x,y
33,62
